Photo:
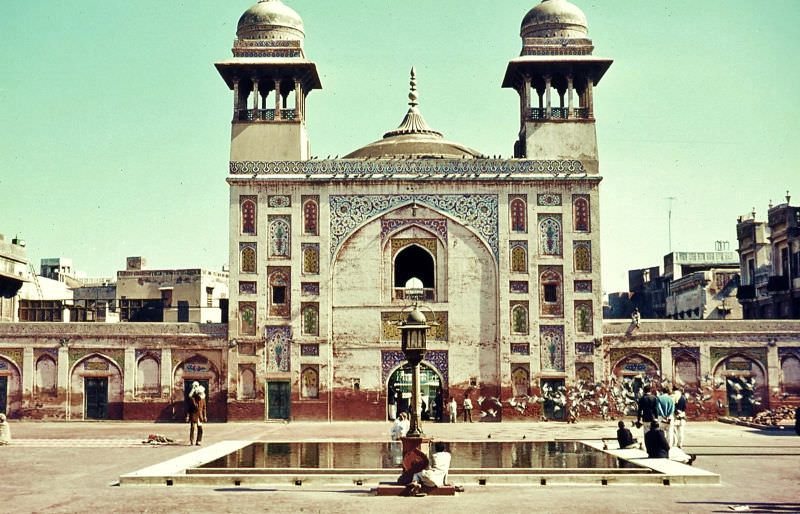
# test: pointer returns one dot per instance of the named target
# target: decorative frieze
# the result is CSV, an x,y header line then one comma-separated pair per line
x,y
391,329
437,226
431,168
479,211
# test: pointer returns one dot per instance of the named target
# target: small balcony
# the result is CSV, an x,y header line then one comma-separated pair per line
x,y
265,114
558,113
778,284
746,293
429,294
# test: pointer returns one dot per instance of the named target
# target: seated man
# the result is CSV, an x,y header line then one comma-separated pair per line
x,y
625,438
656,443
436,474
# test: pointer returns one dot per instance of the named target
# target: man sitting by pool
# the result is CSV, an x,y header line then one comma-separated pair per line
x,y
436,474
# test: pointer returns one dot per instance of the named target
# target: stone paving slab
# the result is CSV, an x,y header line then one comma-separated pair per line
x,y
77,479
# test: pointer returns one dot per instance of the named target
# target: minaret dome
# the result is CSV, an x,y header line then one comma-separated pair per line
x,y
270,19
555,18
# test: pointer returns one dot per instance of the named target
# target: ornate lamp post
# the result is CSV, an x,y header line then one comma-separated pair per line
x,y
414,329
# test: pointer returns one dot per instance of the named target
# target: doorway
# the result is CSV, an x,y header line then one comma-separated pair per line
x,y
278,400
552,410
430,385
3,395
96,394
187,387
740,397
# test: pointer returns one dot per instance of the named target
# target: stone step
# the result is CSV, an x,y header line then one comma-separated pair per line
x,y
401,490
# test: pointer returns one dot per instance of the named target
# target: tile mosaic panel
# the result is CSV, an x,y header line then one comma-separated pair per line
x,y
279,201
438,226
552,347
427,243
581,213
520,349
757,354
518,286
248,288
479,211
548,200
584,317
279,341
585,373
583,286
280,231
391,331
692,353
518,210
309,288
550,235
310,215
438,359
584,348
310,252
454,168
519,317
309,350
582,255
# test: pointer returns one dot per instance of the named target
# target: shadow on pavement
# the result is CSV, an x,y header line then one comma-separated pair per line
x,y
776,508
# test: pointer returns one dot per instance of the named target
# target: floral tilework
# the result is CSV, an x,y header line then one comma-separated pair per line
x,y
552,347
391,331
248,288
279,236
278,349
582,254
548,200
309,350
583,286
584,348
520,349
279,201
309,288
439,359
310,258
550,235
479,211
518,286
437,226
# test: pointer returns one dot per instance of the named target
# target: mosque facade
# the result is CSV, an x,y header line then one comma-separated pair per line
x,y
320,250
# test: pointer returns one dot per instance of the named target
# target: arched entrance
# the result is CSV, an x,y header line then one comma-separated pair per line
x,y
399,391
10,388
635,371
745,384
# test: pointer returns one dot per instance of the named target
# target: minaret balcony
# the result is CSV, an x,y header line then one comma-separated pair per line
x,y
558,113
257,115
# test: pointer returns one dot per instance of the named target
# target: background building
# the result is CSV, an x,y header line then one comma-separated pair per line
x,y
769,256
13,275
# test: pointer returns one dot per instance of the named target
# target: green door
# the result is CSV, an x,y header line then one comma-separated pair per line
x,y
278,400
96,393
3,395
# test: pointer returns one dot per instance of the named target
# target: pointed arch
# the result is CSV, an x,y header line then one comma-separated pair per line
x,y
46,376
248,216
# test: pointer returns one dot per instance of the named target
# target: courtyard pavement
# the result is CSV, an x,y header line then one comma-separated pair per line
x,y
73,467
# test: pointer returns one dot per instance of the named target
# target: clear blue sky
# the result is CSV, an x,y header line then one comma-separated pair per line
x,y
115,126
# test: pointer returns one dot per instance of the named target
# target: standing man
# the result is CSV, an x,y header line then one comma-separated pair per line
x,y
197,415
467,408
666,412
647,410
452,409
680,415
5,431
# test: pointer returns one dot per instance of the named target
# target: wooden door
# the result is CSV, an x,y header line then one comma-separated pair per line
x,y
278,400
96,394
3,395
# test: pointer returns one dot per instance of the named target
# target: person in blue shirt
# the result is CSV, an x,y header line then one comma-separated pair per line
x,y
665,407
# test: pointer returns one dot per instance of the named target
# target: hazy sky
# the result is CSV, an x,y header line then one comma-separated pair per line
x,y
115,126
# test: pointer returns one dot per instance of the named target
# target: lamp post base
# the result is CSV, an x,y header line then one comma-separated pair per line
x,y
415,457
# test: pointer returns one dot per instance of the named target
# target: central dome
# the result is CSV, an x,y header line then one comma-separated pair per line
x,y
270,19
413,139
555,18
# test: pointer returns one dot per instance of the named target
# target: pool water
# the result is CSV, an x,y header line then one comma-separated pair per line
x,y
520,455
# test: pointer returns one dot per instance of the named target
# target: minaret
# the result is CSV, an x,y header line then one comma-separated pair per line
x,y
555,76
270,78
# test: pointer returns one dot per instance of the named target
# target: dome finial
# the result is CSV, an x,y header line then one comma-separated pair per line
x,y
412,95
